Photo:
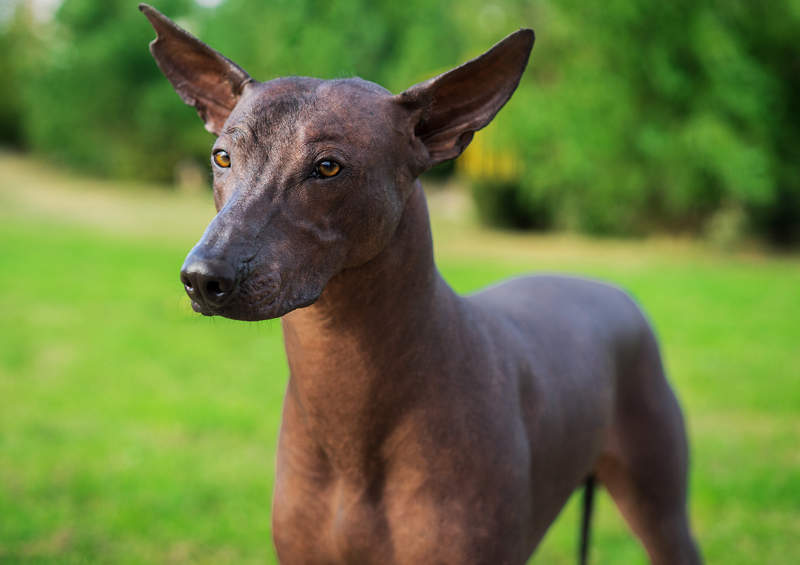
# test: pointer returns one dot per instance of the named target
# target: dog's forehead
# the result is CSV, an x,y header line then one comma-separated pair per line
x,y
309,104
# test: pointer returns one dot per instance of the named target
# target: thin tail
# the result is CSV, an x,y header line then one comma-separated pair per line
x,y
586,519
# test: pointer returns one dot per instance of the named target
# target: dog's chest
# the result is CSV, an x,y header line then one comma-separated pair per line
x,y
328,521
344,524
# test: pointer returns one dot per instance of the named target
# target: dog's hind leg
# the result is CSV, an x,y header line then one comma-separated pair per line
x,y
645,465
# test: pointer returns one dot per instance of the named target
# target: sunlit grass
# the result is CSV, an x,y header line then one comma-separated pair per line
x,y
132,430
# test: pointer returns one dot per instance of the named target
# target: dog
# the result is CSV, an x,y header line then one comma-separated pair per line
x,y
418,426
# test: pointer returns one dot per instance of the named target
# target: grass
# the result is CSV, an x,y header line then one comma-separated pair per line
x,y
133,431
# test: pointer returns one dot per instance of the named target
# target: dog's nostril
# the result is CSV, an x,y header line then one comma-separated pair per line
x,y
214,288
187,283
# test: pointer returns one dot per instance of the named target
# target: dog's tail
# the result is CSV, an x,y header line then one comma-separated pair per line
x,y
586,519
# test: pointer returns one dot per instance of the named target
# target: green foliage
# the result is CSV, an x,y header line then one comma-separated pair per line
x,y
19,52
638,116
634,116
392,43
502,204
98,103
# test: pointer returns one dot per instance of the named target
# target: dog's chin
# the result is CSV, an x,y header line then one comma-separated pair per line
x,y
254,313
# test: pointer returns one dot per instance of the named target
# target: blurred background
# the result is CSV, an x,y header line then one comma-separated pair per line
x,y
655,145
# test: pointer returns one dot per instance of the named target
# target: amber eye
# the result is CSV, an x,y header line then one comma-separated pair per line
x,y
222,159
327,168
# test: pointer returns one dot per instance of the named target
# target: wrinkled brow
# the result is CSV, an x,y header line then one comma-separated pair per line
x,y
239,135
322,137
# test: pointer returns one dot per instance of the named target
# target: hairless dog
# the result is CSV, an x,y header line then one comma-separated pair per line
x,y
419,426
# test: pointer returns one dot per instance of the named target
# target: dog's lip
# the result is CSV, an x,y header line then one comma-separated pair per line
x,y
268,307
200,310
230,311
307,302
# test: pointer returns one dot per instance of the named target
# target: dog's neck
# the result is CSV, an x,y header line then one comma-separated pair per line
x,y
353,354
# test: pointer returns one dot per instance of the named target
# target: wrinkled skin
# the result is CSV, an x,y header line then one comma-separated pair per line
x,y
418,426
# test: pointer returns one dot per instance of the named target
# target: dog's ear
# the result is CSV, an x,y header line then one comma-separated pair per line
x,y
448,109
202,77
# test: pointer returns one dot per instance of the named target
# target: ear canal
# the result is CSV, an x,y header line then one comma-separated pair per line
x,y
448,109
202,77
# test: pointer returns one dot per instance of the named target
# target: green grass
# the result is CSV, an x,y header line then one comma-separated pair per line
x,y
134,431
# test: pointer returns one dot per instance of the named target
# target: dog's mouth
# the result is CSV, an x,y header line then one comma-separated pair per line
x,y
257,300
236,311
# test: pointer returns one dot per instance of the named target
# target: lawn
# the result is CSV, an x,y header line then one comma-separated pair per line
x,y
135,431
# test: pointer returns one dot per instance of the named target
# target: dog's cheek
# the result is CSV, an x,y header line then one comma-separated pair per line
x,y
374,224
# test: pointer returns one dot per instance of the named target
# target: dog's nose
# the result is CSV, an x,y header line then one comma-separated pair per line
x,y
207,282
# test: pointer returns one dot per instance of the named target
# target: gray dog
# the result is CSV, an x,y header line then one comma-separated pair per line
x,y
419,426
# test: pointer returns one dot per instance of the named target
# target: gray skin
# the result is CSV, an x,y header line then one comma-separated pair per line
x,y
418,426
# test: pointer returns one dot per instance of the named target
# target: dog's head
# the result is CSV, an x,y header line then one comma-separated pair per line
x,y
311,176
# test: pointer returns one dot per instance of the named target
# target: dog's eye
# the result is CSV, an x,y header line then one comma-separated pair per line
x,y
327,169
222,159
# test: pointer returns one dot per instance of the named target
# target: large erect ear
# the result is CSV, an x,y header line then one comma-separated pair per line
x,y
448,109
202,77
